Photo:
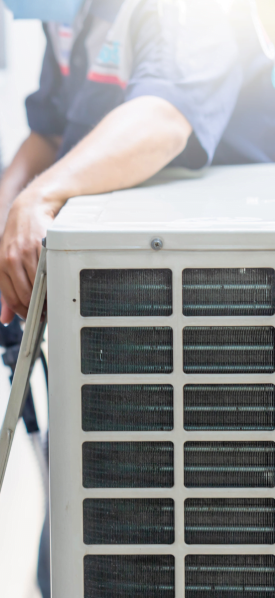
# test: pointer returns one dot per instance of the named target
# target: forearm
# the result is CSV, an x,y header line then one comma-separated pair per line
x,y
35,155
130,145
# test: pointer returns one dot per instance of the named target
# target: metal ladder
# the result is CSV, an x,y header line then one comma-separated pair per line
x,y
29,352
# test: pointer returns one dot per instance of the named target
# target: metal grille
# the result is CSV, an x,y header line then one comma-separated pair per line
x,y
128,407
229,407
230,576
230,521
233,350
128,465
121,521
229,464
126,350
125,293
125,576
229,292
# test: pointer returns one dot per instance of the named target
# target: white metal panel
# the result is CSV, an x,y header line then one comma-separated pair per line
x,y
66,380
185,214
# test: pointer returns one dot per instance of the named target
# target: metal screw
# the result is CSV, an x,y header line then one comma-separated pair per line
x,y
157,244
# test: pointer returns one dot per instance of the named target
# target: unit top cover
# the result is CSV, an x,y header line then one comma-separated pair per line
x,y
225,208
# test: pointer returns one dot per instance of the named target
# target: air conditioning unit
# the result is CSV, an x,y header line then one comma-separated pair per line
x,y
161,306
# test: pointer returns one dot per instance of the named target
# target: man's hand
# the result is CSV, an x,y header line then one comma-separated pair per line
x,y
7,314
35,155
130,145
20,249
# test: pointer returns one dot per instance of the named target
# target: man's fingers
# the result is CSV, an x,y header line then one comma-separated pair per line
x,y
8,292
10,299
7,314
19,278
19,253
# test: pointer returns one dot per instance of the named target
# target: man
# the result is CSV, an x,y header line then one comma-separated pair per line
x,y
130,87
115,80
249,136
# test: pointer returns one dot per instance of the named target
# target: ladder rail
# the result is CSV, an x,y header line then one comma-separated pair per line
x,y
29,352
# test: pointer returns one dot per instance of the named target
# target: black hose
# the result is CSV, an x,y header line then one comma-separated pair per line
x,y
10,339
45,369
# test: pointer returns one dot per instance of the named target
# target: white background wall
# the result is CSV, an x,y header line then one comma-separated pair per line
x,y
22,498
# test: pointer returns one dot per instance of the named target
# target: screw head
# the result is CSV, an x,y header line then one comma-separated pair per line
x,y
157,244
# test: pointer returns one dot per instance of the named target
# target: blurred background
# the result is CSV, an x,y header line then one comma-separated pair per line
x,y
22,45
22,501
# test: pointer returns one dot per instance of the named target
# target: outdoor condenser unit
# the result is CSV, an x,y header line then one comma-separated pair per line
x,y
161,310
161,307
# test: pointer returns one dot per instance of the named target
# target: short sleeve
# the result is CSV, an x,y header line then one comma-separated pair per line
x,y
185,52
43,114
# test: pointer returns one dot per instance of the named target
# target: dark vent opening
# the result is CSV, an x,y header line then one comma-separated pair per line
x,y
126,350
229,576
129,407
232,350
229,521
125,576
125,293
128,464
229,407
124,521
229,292
229,464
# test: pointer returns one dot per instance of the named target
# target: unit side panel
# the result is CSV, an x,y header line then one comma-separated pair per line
x,y
65,428
66,382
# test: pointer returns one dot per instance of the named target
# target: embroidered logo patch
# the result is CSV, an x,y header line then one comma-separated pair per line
x,y
110,54
107,66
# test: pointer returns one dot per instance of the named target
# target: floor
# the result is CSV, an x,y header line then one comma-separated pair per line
x,y
22,498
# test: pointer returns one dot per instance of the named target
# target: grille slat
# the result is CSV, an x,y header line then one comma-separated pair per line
x,y
127,350
127,407
128,465
230,521
125,293
229,407
122,521
124,576
229,292
227,576
229,464
221,350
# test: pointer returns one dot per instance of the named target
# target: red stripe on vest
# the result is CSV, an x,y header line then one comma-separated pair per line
x,y
65,70
109,79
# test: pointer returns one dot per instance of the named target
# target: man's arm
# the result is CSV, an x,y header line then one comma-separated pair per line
x,y
35,155
131,144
